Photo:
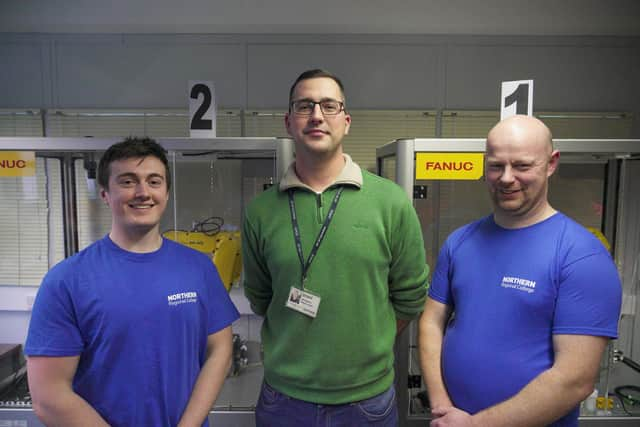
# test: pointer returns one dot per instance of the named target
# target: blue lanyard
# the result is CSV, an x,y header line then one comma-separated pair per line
x,y
319,238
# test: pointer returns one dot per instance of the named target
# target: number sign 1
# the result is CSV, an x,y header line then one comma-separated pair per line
x,y
516,98
202,109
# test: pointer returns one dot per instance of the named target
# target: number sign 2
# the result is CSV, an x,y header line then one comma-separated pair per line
x,y
516,98
202,109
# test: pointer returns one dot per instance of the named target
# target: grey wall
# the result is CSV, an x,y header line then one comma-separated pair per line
x,y
488,17
380,72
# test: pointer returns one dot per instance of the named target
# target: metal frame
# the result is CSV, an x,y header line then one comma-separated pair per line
x,y
283,147
609,151
404,150
68,148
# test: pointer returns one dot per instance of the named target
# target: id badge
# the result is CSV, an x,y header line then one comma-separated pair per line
x,y
303,301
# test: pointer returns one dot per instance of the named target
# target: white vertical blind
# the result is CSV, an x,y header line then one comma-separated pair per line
x,y
267,123
30,210
157,123
31,227
468,124
476,124
588,125
20,122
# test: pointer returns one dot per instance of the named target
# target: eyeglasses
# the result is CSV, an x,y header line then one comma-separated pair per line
x,y
328,107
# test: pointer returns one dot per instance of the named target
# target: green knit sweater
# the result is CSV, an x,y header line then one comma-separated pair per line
x,y
369,270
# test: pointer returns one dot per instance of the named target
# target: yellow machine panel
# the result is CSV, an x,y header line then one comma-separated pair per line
x,y
600,237
222,247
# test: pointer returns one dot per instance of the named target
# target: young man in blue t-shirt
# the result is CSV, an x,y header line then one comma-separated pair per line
x,y
135,329
522,302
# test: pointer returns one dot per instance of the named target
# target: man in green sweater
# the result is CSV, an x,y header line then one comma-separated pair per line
x,y
334,260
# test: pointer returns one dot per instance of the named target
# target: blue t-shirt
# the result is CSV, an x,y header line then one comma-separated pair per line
x,y
139,322
511,290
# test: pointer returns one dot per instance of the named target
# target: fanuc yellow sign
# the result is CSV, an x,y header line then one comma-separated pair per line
x,y
17,163
449,166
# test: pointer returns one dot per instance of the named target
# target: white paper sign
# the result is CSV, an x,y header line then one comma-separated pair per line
x,y
202,109
516,98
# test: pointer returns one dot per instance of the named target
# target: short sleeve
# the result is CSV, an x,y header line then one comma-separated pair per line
x,y
53,330
589,297
440,289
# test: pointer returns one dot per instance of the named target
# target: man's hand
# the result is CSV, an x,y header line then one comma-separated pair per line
x,y
430,338
210,379
450,416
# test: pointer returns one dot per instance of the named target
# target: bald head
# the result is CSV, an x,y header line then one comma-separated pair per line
x,y
521,129
519,160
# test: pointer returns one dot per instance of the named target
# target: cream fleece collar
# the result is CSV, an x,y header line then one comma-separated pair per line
x,y
351,174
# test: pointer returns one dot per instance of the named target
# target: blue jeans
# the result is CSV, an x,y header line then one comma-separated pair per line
x,y
275,409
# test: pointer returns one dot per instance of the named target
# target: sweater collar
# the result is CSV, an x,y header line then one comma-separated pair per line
x,y
351,174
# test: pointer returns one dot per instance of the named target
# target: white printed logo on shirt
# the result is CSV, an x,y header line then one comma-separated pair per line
x,y
517,283
182,298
